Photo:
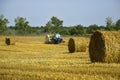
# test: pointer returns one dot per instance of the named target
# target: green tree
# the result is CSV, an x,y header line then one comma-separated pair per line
x,y
56,22
3,24
64,31
48,27
73,31
22,25
54,25
92,28
76,30
117,24
109,24
80,29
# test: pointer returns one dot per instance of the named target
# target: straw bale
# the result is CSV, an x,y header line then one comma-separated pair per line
x,y
105,47
77,44
9,41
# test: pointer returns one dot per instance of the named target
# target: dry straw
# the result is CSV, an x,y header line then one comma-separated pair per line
x,y
77,44
105,47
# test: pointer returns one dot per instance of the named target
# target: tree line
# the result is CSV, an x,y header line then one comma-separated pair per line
x,y
54,25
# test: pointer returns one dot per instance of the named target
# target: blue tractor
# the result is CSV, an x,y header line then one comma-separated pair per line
x,y
53,39
56,39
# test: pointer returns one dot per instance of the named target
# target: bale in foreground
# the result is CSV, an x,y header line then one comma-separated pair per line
x,y
104,46
77,44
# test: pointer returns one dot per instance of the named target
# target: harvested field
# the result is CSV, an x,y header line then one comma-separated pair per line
x,y
31,59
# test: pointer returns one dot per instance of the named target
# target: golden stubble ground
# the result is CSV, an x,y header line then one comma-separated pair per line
x,y
31,59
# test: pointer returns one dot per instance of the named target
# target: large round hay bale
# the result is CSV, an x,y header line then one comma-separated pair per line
x,y
77,44
105,47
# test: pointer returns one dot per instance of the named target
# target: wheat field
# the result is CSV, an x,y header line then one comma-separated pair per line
x,y
31,59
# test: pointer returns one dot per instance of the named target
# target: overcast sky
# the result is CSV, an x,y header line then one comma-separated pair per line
x,y
72,12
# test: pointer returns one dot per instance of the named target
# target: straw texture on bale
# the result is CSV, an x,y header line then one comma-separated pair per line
x,y
77,44
104,46
9,41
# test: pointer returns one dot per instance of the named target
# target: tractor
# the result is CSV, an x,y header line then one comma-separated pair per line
x,y
53,39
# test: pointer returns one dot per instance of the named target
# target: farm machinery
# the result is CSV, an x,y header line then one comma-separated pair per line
x,y
53,39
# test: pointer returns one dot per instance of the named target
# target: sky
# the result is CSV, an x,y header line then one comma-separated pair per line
x,y
72,12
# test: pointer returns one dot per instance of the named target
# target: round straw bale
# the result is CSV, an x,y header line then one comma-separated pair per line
x,y
7,41
104,46
10,41
77,44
